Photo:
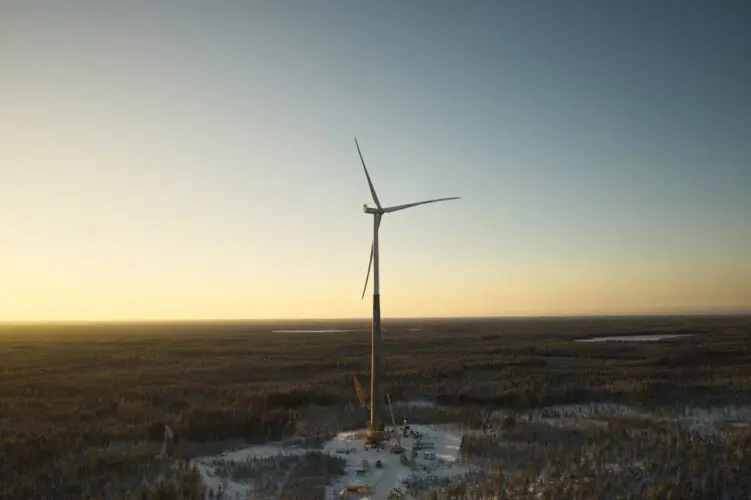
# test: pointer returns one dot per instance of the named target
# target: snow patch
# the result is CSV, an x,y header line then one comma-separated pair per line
x,y
432,450
701,420
704,420
436,463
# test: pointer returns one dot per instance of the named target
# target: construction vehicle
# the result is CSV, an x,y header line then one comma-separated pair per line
x,y
395,493
397,448
356,489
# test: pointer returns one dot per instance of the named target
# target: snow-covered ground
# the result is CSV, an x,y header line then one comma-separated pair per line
x,y
431,465
418,403
588,410
705,420
210,467
701,420
436,464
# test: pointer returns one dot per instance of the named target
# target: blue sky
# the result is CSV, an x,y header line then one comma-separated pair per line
x,y
187,159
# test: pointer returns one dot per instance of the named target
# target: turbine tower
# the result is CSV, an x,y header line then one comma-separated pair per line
x,y
375,426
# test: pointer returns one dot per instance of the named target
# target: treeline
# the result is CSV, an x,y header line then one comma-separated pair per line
x,y
659,461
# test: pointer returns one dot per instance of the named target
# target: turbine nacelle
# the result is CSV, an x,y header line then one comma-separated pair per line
x,y
369,210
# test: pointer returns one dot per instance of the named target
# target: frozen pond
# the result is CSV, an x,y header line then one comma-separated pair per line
x,y
636,338
313,331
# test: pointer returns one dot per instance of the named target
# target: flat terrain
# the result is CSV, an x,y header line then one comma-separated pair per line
x,y
83,407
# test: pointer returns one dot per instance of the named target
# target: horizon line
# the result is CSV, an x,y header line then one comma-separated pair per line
x,y
724,313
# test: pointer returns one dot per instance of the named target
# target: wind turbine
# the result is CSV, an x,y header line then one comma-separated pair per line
x,y
375,426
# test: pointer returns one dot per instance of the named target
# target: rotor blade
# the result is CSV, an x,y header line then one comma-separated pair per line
x,y
410,205
370,263
370,183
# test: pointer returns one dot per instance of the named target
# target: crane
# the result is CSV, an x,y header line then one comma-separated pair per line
x,y
398,448
361,396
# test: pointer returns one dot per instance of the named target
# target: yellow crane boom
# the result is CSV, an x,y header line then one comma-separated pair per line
x,y
360,393
375,436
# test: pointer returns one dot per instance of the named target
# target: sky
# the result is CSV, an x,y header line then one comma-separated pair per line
x,y
196,160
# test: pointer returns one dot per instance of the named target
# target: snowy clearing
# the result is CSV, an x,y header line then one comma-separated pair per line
x,y
431,460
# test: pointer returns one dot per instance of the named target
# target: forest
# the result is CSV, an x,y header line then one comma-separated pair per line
x,y
83,406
